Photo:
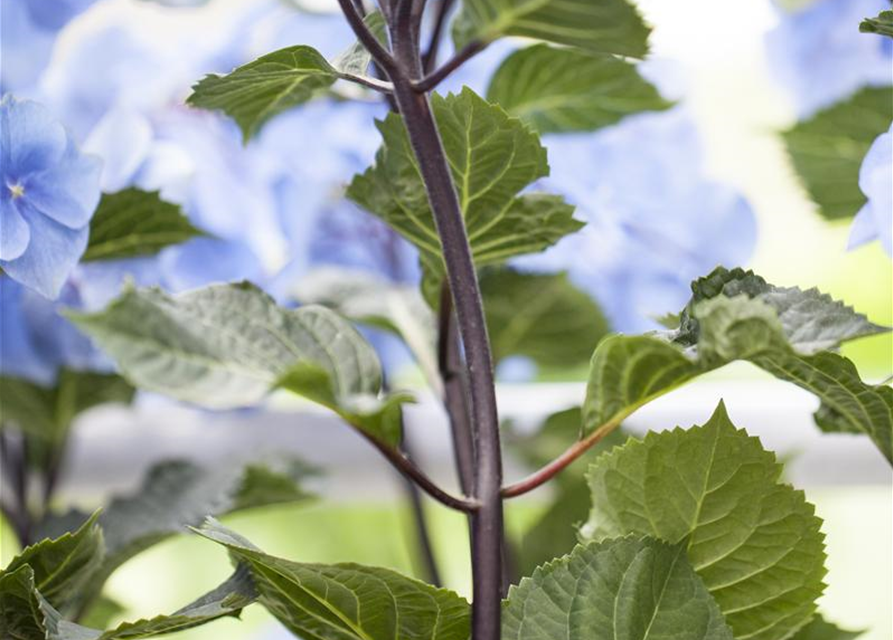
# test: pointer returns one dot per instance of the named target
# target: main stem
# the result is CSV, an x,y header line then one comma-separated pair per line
x,y
487,520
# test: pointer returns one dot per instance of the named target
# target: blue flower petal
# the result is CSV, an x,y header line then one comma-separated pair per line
x,y
32,139
862,229
18,357
14,231
46,264
68,191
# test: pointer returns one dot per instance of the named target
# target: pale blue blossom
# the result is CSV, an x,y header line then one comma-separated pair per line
x,y
654,220
819,56
875,219
49,190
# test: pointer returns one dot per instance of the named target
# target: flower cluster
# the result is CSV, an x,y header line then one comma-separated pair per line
x,y
875,219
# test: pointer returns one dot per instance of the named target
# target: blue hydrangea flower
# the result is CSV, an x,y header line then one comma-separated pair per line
x,y
875,219
654,221
28,31
48,193
820,57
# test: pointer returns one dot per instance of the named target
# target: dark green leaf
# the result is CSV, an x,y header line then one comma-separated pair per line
x,y
881,25
602,26
827,150
337,602
227,346
492,157
135,223
26,615
558,90
177,494
714,490
63,566
47,412
624,589
543,317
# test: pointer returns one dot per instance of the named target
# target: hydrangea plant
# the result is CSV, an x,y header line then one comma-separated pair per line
x,y
462,202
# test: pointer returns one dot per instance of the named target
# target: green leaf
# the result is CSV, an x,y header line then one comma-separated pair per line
x,y
356,59
135,223
881,25
827,149
20,616
558,90
26,615
336,602
781,330
176,494
368,299
63,566
821,629
492,157
755,542
47,412
102,612
274,83
624,589
543,317
256,92
555,532
601,26
227,346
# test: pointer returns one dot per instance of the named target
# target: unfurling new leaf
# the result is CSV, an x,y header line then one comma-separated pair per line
x,y
755,542
781,330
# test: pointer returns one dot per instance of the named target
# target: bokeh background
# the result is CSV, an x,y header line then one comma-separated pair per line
x,y
666,196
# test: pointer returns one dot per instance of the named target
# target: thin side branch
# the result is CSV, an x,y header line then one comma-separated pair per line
x,y
381,55
382,86
433,79
429,60
408,468
560,463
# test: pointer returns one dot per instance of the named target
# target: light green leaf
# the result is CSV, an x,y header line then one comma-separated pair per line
x,y
174,495
881,25
779,330
755,542
356,59
541,316
827,149
558,90
227,346
63,566
256,92
366,298
492,157
47,412
601,26
341,601
821,629
135,223
624,589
